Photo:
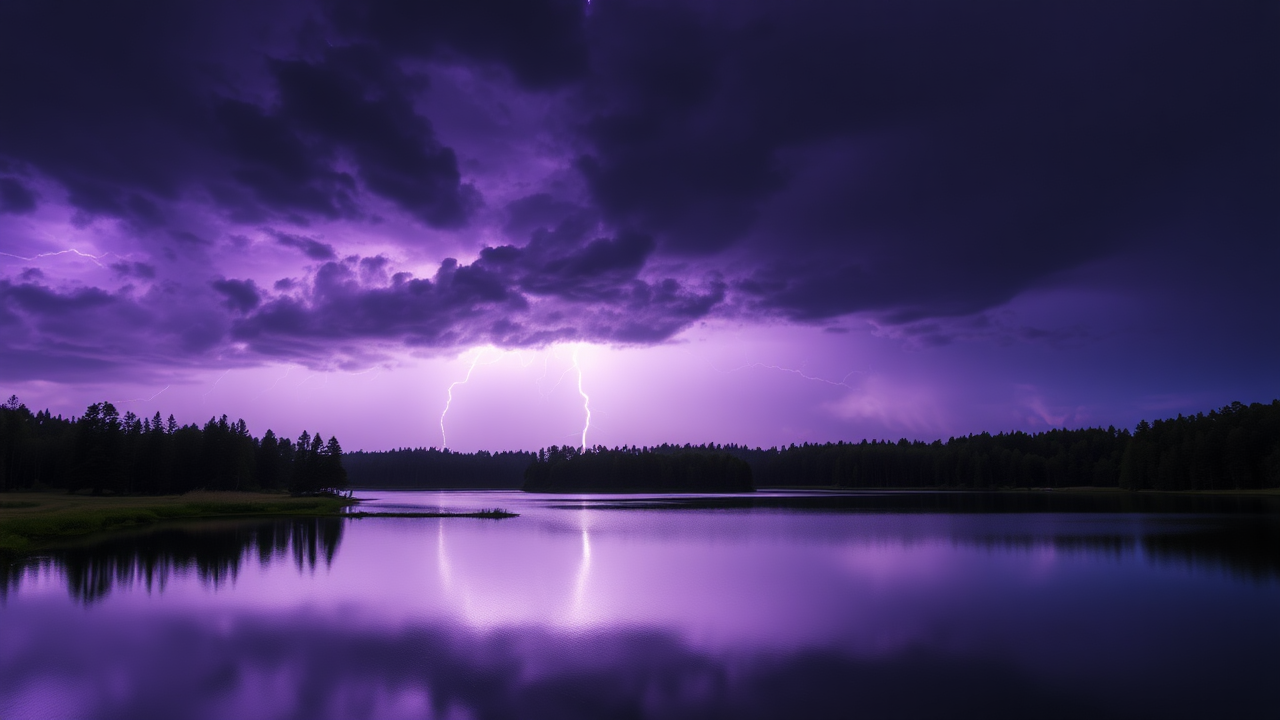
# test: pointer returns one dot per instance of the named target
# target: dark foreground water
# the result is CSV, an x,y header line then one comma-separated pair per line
x,y
810,606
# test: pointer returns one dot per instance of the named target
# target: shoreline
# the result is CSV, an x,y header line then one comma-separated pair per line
x,y
32,521
1077,489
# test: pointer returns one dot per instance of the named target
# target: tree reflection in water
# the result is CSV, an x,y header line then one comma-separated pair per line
x,y
215,551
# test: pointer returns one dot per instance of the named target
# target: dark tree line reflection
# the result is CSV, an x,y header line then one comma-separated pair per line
x,y
1245,545
215,552
1244,549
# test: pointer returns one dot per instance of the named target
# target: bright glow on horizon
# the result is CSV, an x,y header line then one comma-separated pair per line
x,y
575,367
690,390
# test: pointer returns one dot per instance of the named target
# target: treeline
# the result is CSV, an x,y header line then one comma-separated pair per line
x,y
102,451
429,468
1055,458
1236,447
598,469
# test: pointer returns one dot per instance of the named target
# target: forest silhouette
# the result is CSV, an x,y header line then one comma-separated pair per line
x,y
598,469
103,452
1236,447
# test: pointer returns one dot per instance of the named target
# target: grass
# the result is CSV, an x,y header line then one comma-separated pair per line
x,y
42,519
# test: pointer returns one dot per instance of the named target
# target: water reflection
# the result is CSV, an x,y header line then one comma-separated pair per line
x,y
308,667
790,607
584,570
1248,548
1244,546
930,501
214,551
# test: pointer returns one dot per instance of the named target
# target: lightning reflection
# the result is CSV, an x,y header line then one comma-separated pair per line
x,y
442,559
584,571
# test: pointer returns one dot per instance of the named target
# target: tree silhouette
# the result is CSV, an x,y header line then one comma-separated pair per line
x,y
106,453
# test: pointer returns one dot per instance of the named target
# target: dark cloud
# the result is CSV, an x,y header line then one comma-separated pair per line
x,y
186,236
278,168
242,295
908,164
116,128
356,100
540,211
563,263
560,286
140,270
541,42
179,115
310,247
80,333
912,164
354,104
15,197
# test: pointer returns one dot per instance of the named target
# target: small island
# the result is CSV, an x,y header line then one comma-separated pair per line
x,y
636,470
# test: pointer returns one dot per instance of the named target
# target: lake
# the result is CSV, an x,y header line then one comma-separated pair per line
x,y
774,605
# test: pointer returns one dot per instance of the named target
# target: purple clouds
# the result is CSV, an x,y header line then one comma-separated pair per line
x,y
334,183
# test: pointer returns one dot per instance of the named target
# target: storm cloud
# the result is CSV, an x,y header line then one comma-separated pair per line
x,y
807,162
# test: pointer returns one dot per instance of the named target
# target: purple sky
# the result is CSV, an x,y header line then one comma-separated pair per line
x,y
758,222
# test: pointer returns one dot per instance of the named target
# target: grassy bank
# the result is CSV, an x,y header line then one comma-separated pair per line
x,y
29,521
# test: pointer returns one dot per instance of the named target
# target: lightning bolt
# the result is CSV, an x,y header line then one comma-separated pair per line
x,y
274,384
842,382
559,380
215,384
444,443
91,258
153,397
586,400
525,360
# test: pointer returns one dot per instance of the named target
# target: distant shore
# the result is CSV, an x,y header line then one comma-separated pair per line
x,y
31,521
1273,492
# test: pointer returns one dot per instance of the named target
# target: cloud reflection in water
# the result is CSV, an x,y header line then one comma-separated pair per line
x,y
586,612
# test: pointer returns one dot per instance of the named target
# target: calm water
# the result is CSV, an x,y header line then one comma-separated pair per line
x,y
798,606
